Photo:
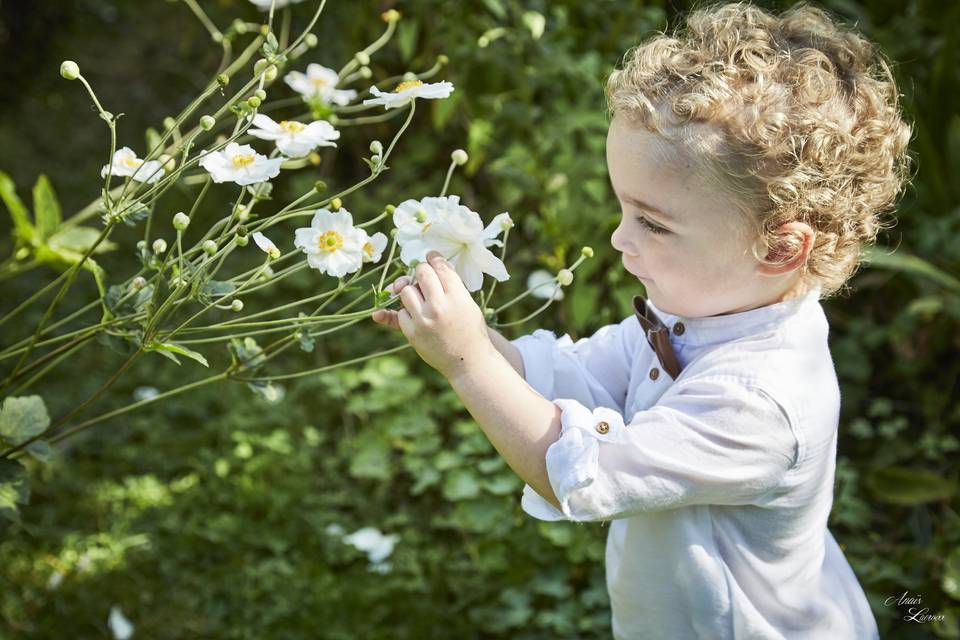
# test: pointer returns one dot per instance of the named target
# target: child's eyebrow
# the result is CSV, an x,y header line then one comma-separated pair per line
x,y
640,204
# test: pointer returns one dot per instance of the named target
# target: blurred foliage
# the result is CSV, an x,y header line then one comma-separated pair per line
x,y
207,516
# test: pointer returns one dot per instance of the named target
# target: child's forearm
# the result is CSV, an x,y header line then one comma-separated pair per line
x,y
507,350
519,422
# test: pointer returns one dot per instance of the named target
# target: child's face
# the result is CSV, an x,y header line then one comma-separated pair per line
x,y
702,264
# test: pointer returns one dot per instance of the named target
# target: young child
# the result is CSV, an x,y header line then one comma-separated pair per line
x,y
752,155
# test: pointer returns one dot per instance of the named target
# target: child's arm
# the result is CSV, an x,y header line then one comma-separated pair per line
x,y
447,328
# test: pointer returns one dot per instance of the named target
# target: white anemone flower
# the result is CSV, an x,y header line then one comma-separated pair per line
x,y
544,285
266,245
264,5
126,163
319,82
409,90
294,139
375,544
458,234
373,246
120,626
241,164
332,244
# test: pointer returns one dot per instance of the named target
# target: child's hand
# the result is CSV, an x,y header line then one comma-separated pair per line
x,y
439,318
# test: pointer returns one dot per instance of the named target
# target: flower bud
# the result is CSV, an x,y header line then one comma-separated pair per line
x,y
239,26
243,213
336,203
314,158
253,101
310,40
70,70
159,245
271,73
442,59
260,93
459,157
169,123
390,209
362,57
138,283
22,253
242,241
181,221
394,232
365,73
259,66
390,16
319,186
207,122
409,75
376,147
587,252
209,247
141,245
242,230
236,305
168,162
223,79
564,277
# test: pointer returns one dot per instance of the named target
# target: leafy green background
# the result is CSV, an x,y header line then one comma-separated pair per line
x,y
206,516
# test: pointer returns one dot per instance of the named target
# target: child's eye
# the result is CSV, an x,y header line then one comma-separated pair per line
x,y
649,226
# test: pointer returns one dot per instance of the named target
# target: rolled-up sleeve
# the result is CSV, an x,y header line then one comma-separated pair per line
x,y
708,441
594,370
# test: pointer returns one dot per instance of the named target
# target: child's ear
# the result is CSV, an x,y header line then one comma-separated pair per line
x,y
793,246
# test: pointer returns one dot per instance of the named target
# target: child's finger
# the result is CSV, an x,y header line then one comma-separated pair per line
x,y
399,284
387,318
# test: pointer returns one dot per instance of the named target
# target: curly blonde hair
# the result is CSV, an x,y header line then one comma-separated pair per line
x,y
793,115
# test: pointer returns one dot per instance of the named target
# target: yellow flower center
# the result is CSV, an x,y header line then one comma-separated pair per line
x,y
330,241
409,84
425,227
242,160
368,249
291,126
133,163
319,82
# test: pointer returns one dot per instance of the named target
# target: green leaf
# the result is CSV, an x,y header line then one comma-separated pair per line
x,y
19,212
153,138
41,450
78,240
951,575
46,208
461,484
899,485
169,348
14,489
910,264
22,418
407,32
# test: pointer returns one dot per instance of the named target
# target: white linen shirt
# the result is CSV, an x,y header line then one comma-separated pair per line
x,y
718,484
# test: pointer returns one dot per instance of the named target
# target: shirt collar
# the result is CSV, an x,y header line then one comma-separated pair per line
x,y
713,329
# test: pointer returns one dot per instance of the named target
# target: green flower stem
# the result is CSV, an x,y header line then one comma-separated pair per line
x,y
310,372
72,275
524,319
273,264
351,122
370,49
56,362
383,276
446,182
90,210
19,346
204,19
303,34
276,277
78,409
136,405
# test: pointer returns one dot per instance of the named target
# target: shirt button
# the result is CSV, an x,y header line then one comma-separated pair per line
x,y
654,373
679,328
603,427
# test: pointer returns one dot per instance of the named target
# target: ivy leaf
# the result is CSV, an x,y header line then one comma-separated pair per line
x,y
168,349
46,208
22,418
14,489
